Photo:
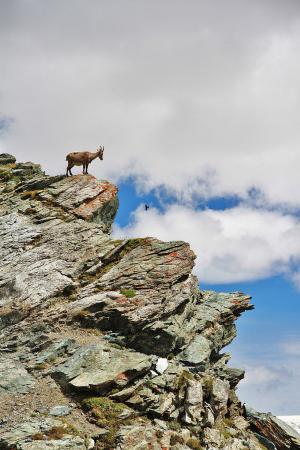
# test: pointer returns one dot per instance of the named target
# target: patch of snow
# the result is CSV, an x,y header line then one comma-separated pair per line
x,y
161,365
292,421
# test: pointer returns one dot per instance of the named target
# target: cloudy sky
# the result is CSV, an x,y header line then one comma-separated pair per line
x,y
198,105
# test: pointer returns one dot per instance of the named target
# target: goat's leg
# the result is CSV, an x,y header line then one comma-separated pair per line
x,y
83,168
86,170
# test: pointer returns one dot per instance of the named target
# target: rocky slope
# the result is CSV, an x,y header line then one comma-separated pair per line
x,y
110,344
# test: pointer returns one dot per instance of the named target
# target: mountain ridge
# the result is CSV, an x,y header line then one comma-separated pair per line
x,y
110,344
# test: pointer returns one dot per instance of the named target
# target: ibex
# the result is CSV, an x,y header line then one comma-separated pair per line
x,y
82,159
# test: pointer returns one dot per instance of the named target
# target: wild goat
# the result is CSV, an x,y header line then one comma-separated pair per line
x,y
82,159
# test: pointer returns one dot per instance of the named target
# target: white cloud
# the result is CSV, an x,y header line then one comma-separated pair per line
x,y
258,375
236,244
291,348
271,385
271,388
200,98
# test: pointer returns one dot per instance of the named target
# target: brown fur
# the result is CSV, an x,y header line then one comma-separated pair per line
x,y
82,159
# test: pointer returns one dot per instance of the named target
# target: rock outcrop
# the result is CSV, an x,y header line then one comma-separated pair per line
x,y
109,344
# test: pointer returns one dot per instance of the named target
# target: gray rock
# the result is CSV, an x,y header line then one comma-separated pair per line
x,y
67,443
274,430
6,158
60,410
193,404
137,438
101,313
198,352
213,437
86,197
100,367
14,378
39,263
59,348
23,431
220,394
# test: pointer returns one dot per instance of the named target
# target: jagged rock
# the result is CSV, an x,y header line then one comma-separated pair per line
x,y
273,429
120,322
86,197
213,436
209,417
237,444
38,183
233,375
65,346
100,367
14,378
148,437
68,443
220,394
193,403
6,158
39,263
22,432
198,352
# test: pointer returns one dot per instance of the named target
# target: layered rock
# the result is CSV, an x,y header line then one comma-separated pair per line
x,y
273,432
108,344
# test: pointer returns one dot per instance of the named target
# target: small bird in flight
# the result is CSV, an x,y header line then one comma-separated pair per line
x,y
146,207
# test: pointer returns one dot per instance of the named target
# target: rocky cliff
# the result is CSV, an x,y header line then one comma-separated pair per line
x,y
110,344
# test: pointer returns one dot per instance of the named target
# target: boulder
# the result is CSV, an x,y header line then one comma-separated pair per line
x,y
219,395
14,378
198,352
60,410
67,443
100,367
86,197
6,158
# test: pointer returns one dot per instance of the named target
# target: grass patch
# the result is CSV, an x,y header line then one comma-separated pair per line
x,y
53,433
224,428
29,194
106,414
38,436
129,293
41,366
56,432
176,439
81,315
207,384
194,444
183,378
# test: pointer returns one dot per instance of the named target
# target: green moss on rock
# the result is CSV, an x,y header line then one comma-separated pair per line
x,y
107,414
129,293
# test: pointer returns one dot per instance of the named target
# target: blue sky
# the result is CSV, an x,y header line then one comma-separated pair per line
x,y
267,344
197,104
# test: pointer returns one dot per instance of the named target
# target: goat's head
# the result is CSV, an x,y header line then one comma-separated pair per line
x,y
101,151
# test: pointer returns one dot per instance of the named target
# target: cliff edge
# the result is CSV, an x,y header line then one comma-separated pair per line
x,y
110,344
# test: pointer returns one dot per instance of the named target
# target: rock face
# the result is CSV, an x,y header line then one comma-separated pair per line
x,y
276,433
109,344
